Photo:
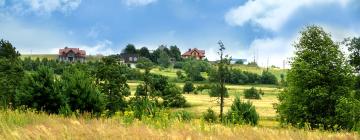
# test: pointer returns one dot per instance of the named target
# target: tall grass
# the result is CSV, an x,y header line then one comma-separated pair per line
x,y
32,125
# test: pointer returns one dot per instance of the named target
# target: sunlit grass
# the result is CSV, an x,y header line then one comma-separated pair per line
x,y
30,125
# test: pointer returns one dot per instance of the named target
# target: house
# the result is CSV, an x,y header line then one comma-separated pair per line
x,y
72,55
197,54
129,59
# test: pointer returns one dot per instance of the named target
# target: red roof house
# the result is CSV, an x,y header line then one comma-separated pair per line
x,y
72,54
195,53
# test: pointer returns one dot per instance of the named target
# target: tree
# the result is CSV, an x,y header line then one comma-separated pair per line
x,y
188,87
241,62
147,65
216,90
175,53
112,77
222,72
11,72
318,78
7,51
164,59
81,92
40,90
193,70
172,96
268,78
144,52
354,49
130,49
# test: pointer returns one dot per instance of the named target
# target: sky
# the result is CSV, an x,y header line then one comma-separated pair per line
x,y
262,29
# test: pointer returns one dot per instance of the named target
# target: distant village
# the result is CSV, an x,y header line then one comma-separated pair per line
x,y
77,55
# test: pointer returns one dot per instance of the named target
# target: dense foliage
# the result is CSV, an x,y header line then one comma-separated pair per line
x,y
319,77
188,87
242,113
253,93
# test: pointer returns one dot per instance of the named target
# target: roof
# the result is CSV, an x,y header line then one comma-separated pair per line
x,y
75,50
189,52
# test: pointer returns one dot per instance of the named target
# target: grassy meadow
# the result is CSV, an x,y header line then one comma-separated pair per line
x,y
31,125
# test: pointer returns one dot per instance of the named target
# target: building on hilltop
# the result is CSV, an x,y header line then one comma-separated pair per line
x,y
195,53
72,55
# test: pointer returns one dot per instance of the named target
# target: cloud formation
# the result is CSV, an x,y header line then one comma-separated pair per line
x,y
138,2
271,14
40,7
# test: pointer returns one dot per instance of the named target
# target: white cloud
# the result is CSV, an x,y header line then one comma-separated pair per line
x,y
101,47
138,2
271,14
41,7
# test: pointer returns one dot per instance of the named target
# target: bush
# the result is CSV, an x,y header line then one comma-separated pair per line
x,y
348,113
179,75
188,87
140,90
183,115
172,96
209,116
178,65
216,90
242,113
142,107
81,92
268,78
253,93
40,90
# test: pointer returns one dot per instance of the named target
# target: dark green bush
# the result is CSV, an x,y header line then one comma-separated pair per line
x,y
242,113
268,78
348,113
253,93
40,90
210,116
172,96
188,87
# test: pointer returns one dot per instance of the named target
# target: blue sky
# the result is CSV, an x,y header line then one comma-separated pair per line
x,y
265,29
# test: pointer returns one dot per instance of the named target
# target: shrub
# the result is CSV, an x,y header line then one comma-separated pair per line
x,y
216,90
81,92
142,107
242,113
172,96
179,75
188,87
253,93
348,113
210,116
40,90
178,65
183,115
268,78
140,90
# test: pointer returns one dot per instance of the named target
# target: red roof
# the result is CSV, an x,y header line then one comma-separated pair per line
x,y
77,51
189,52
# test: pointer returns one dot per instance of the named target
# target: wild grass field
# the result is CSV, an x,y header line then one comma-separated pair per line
x,y
31,125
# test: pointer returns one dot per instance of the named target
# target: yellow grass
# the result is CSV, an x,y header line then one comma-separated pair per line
x,y
49,127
